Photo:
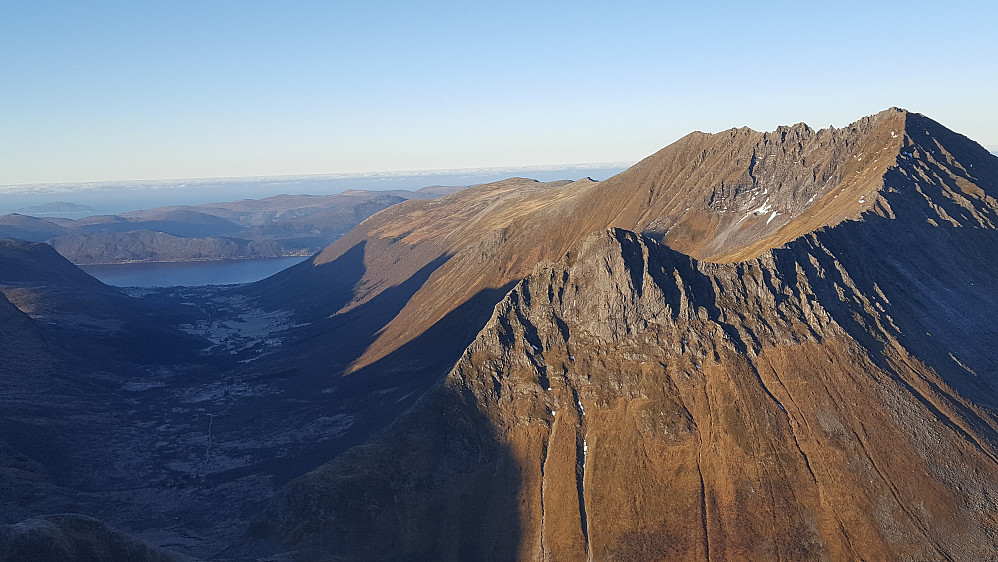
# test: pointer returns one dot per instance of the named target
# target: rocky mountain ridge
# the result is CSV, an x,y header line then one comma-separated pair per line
x,y
701,195
630,401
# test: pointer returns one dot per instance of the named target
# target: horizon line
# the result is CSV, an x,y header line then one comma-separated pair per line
x,y
336,175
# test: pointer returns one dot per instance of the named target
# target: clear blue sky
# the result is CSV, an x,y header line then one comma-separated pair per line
x,y
95,91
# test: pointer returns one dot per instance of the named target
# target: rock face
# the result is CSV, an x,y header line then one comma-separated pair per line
x,y
822,386
630,402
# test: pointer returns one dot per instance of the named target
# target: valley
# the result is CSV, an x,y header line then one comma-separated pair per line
x,y
746,346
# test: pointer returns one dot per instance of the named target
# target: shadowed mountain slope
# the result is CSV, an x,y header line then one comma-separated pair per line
x,y
79,313
748,346
74,537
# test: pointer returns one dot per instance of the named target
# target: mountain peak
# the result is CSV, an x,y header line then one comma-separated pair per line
x,y
732,195
723,197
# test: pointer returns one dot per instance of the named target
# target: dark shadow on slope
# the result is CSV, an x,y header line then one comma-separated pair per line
x,y
436,485
74,537
313,292
976,162
331,344
371,398
93,323
378,393
939,300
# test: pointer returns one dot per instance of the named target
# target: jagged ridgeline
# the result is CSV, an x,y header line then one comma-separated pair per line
x,y
749,345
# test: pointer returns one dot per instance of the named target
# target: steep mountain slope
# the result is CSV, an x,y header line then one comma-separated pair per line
x,y
823,387
79,313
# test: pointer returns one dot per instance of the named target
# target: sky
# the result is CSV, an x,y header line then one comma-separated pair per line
x,y
111,91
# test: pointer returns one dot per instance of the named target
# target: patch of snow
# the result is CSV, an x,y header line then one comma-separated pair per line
x,y
764,208
579,404
772,216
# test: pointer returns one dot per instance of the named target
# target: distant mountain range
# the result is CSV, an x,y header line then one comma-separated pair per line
x,y
748,345
284,225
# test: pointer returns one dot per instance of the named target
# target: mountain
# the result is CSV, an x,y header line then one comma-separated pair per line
x,y
749,345
153,245
704,195
72,347
275,226
78,313
24,227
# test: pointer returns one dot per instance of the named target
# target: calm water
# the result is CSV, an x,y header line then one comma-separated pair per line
x,y
189,274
